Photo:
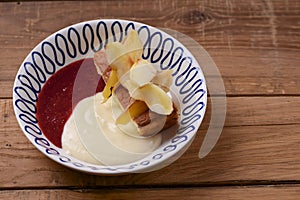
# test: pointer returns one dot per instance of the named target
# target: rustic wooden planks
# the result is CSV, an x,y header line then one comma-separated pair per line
x,y
242,75
233,193
255,57
242,154
256,46
259,142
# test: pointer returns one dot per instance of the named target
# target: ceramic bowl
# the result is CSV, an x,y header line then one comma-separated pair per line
x,y
81,40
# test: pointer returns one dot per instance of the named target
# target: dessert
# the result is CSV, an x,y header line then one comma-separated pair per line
x,y
122,123
138,86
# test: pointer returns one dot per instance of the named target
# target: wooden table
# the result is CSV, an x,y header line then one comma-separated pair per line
x,y
255,44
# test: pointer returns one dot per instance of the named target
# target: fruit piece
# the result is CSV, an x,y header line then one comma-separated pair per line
x,y
117,58
156,99
135,110
163,79
122,56
130,86
142,72
114,51
110,84
138,92
133,46
124,118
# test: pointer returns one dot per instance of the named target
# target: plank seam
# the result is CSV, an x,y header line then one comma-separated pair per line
x,y
234,183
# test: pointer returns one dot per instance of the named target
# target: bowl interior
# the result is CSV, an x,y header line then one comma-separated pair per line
x,y
81,41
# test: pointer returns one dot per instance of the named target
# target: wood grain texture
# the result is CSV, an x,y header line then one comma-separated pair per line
x,y
232,193
241,73
241,111
259,142
255,46
235,159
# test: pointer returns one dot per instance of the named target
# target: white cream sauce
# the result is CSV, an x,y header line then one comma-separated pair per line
x,y
91,135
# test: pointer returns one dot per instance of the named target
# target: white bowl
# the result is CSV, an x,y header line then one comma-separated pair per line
x,y
84,38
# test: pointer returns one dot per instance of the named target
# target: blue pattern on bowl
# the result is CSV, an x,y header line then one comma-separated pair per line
x,y
80,39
